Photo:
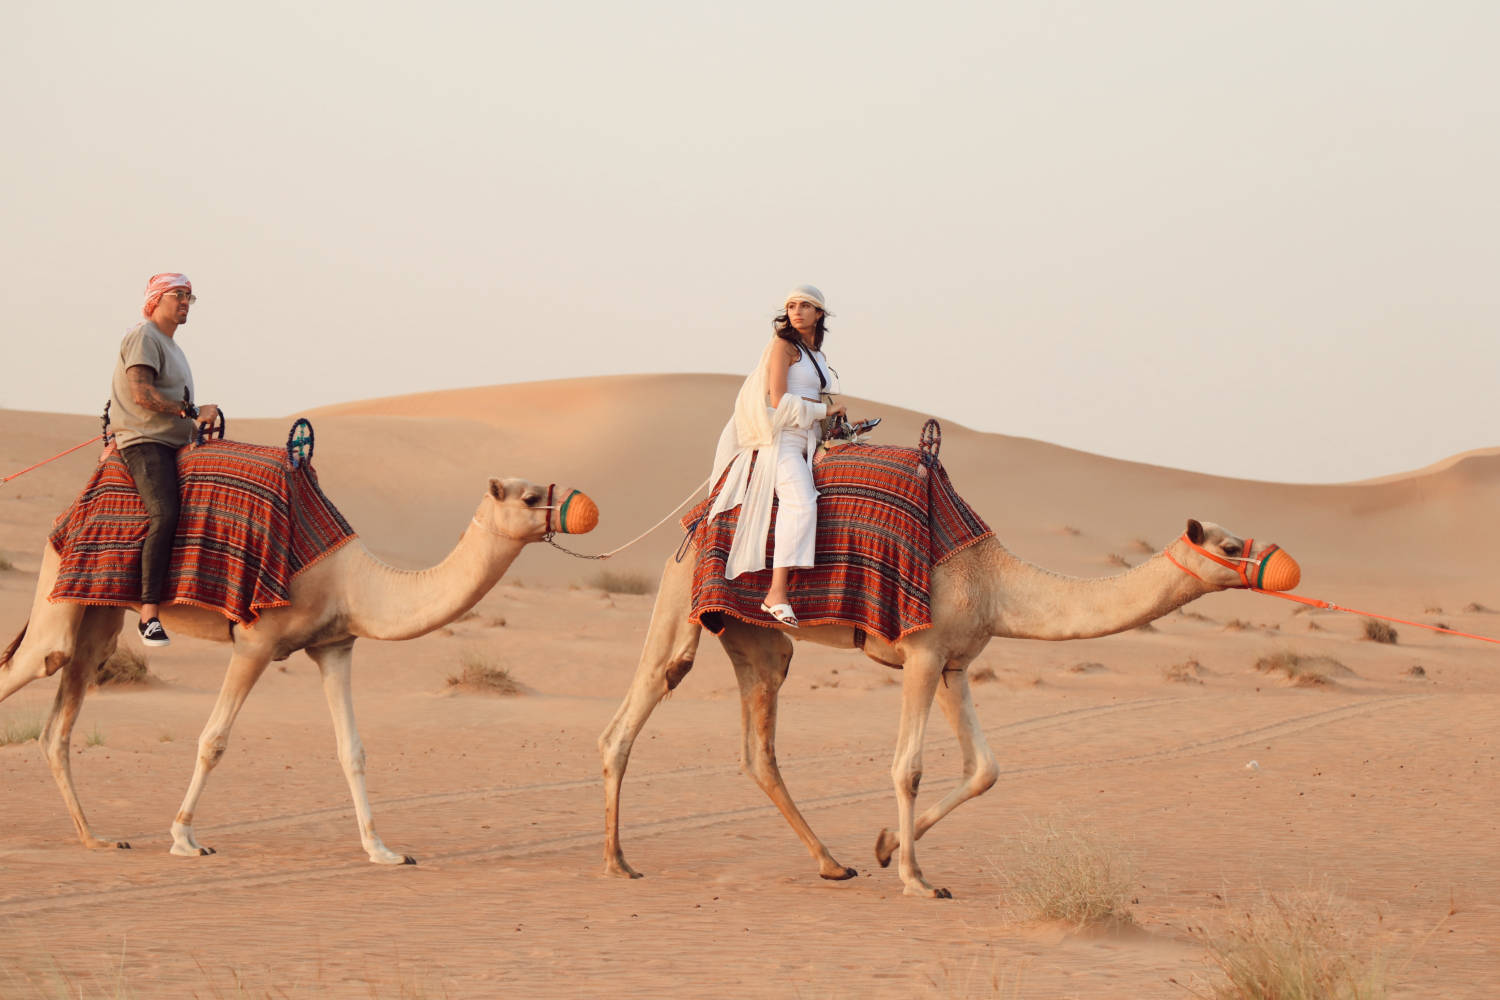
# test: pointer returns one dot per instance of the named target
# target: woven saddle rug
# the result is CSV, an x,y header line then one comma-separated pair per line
x,y
883,522
249,524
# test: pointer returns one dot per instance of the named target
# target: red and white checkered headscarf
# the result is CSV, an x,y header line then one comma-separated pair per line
x,y
161,284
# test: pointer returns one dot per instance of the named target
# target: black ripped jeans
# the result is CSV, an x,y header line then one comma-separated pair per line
x,y
154,468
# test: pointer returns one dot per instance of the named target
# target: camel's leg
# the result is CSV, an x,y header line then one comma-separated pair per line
x,y
671,645
245,668
335,663
980,769
98,632
921,674
47,642
761,658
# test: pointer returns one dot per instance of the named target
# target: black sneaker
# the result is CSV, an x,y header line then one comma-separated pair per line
x,y
152,634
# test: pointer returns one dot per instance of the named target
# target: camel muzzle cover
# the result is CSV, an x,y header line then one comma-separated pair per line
x,y
577,514
1278,571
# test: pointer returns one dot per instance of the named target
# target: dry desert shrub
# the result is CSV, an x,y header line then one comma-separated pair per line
x,y
478,673
999,981
1061,872
1379,631
622,582
1299,947
1303,671
1141,545
20,730
125,666
5,563
1237,625
1087,667
982,675
1115,559
1186,672
1474,607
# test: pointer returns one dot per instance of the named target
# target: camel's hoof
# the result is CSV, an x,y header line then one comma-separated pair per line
x,y
407,859
847,873
942,894
204,852
885,847
620,869
123,845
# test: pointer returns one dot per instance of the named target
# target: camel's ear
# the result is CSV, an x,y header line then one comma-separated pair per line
x,y
497,489
1194,531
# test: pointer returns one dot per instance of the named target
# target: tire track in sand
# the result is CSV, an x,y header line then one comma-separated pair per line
x,y
18,906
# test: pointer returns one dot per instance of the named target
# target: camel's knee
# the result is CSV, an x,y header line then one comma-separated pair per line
x,y
907,778
761,768
55,661
986,773
211,750
677,670
353,760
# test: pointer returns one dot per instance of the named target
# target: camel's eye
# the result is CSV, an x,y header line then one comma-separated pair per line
x,y
531,499
1232,548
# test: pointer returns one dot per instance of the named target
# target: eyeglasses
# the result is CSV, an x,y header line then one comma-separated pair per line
x,y
182,295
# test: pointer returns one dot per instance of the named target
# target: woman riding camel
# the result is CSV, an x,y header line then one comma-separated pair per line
x,y
775,428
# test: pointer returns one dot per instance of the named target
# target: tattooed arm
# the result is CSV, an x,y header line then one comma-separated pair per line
x,y
144,393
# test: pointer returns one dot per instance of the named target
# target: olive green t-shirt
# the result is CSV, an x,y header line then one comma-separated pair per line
x,y
146,345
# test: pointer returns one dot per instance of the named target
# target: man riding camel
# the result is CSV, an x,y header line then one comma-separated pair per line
x,y
151,416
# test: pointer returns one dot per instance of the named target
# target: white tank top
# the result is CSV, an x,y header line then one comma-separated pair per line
x,y
802,377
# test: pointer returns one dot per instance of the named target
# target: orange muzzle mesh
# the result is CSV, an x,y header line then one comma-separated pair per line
x,y
576,514
1277,571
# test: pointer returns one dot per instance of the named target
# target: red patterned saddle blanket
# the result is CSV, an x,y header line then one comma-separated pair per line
x,y
249,524
883,522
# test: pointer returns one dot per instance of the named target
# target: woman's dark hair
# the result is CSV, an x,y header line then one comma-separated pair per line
x,y
788,333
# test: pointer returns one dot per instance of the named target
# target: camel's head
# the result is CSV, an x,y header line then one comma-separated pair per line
x,y
1224,560
528,512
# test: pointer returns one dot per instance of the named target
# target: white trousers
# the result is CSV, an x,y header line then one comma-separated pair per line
x,y
796,502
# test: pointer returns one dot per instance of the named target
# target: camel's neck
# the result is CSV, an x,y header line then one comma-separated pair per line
x,y
388,603
1028,602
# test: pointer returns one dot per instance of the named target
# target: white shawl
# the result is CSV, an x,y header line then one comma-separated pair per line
x,y
755,429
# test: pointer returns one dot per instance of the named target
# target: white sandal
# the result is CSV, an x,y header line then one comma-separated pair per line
x,y
782,613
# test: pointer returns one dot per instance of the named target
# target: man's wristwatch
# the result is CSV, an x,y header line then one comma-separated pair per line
x,y
188,411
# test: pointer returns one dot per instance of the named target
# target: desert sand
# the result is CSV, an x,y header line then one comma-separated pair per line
x,y
1379,786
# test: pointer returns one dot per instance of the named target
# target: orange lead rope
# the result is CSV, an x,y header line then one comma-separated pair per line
x,y
1326,605
1243,571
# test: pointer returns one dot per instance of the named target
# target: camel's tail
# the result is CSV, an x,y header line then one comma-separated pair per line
x,y
15,644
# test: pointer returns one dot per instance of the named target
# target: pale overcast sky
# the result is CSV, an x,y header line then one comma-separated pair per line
x,y
1256,240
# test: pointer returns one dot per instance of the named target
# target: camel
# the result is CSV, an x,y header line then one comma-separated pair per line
x,y
347,595
981,592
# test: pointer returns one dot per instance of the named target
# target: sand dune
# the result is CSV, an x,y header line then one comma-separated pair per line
x,y
1381,782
